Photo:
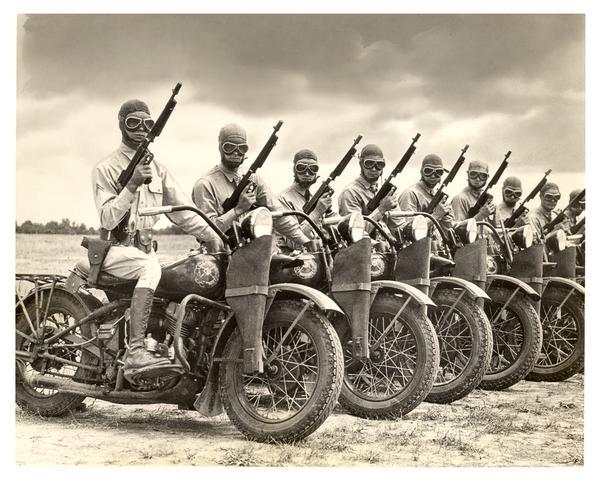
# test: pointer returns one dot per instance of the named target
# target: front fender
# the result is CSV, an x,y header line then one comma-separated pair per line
x,y
296,290
473,291
564,282
513,282
413,292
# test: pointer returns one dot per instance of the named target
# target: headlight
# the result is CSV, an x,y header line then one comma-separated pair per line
x,y
308,269
415,230
557,241
467,231
257,223
523,237
492,265
378,265
352,227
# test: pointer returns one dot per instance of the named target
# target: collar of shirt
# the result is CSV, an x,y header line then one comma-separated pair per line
x,y
421,184
298,189
126,150
233,177
474,193
366,185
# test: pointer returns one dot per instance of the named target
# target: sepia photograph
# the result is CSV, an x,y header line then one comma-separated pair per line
x,y
300,239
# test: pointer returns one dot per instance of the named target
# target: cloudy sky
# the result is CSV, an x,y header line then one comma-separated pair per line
x,y
495,82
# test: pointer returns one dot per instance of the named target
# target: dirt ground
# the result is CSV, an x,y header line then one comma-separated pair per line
x,y
530,424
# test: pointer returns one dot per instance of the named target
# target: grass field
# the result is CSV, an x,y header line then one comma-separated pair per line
x,y
530,424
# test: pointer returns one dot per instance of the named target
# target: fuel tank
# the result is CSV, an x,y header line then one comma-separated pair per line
x,y
199,273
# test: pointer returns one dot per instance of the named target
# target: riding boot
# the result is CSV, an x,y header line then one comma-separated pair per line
x,y
138,360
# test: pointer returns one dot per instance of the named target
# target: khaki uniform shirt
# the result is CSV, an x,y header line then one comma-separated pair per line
x,y
355,197
416,198
215,186
539,218
113,201
463,201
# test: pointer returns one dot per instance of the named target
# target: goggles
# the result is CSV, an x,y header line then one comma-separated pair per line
x,y
230,147
306,168
133,123
512,193
478,175
377,164
433,172
581,203
551,198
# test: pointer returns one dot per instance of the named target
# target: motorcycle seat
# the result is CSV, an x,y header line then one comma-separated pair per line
x,y
105,280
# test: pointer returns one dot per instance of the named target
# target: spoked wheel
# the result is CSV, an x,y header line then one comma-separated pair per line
x,y
465,342
40,320
562,354
517,338
402,364
301,381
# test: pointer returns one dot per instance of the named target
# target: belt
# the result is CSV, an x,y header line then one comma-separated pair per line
x,y
140,239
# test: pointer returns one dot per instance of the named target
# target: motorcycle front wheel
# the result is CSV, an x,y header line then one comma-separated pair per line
x,y
465,339
517,338
563,326
403,361
301,381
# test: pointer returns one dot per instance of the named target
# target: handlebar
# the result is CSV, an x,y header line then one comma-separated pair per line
x,y
311,222
406,214
150,211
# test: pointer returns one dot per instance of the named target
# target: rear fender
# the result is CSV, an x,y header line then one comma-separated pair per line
x,y
510,282
472,290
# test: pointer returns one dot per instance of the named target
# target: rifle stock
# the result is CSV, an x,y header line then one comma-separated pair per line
x,y
510,221
440,194
485,197
388,187
337,171
233,199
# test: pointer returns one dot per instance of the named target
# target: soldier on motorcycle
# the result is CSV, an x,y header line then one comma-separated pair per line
x,y
355,196
545,213
512,191
477,176
216,185
573,211
133,257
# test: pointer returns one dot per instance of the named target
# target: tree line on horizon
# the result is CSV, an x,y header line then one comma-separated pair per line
x,y
69,227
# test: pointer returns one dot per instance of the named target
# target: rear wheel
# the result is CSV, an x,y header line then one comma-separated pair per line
x,y
403,360
517,338
465,341
563,325
301,382
64,310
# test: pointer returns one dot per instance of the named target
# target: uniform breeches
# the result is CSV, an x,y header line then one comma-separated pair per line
x,y
130,263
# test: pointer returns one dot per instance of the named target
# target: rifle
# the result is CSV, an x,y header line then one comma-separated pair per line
x,y
521,209
388,187
578,226
337,171
485,197
142,154
233,199
440,195
560,217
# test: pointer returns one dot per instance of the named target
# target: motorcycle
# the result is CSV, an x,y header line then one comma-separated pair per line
x,y
514,288
390,348
562,313
266,354
462,328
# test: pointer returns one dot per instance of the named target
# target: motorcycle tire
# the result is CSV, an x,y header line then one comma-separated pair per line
x,y
305,375
517,338
408,354
563,334
467,336
37,400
